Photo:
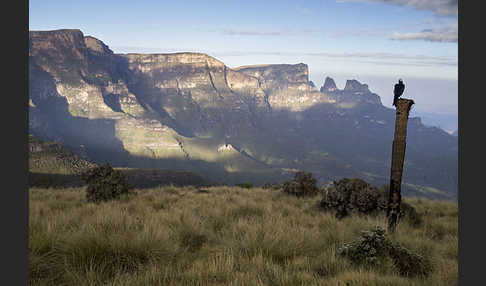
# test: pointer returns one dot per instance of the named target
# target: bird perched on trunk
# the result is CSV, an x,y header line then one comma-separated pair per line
x,y
398,91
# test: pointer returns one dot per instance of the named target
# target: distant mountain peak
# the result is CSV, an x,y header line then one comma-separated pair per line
x,y
329,85
96,45
356,86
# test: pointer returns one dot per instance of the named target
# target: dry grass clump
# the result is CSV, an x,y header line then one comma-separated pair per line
x,y
222,236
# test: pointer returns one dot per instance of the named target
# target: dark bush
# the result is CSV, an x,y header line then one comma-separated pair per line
x,y
105,184
303,184
373,248
355,195
409,263
245,185
43,181
409,213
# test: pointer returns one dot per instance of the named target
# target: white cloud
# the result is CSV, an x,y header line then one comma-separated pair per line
x,y
448,35
440,7
386,59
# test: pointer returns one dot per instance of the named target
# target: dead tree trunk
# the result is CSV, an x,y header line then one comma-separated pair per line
x,y
398,156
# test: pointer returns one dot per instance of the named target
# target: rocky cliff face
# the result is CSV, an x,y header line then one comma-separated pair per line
x,y
280,76
187,88
286,86
189,111
84,81
126,108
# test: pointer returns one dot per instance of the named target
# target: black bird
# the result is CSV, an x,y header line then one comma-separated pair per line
x,y
398,91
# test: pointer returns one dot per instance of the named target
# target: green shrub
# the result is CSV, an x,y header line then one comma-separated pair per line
x,y
355,195
348,195
105,184
373,248
409,263
303,184
245,185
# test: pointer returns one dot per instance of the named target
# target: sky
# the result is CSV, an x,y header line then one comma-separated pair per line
x,y
373,41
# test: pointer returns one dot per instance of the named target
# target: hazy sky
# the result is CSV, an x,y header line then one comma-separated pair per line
x,y
374,41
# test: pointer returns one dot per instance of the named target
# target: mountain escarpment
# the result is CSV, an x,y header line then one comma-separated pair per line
x,y
189,111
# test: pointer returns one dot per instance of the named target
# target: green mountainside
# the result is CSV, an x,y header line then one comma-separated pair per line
x,y
190,112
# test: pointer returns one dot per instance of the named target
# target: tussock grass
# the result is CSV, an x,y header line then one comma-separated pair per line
x,y
222,236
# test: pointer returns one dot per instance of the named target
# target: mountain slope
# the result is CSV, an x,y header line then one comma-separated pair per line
x,y
53,165
52,158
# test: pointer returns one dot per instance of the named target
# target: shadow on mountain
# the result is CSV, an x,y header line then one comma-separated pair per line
x,y
51,120
211,172
42,180
429,160
139,178
152,98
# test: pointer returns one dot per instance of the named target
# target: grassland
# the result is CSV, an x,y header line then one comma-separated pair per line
x,y
220,236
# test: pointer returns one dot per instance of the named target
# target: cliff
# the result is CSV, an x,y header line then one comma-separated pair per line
x,y
286,86
128,107
279,76
185,88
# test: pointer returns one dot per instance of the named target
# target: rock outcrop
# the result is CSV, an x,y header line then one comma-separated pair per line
x,y
96,46
353,93
329,85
